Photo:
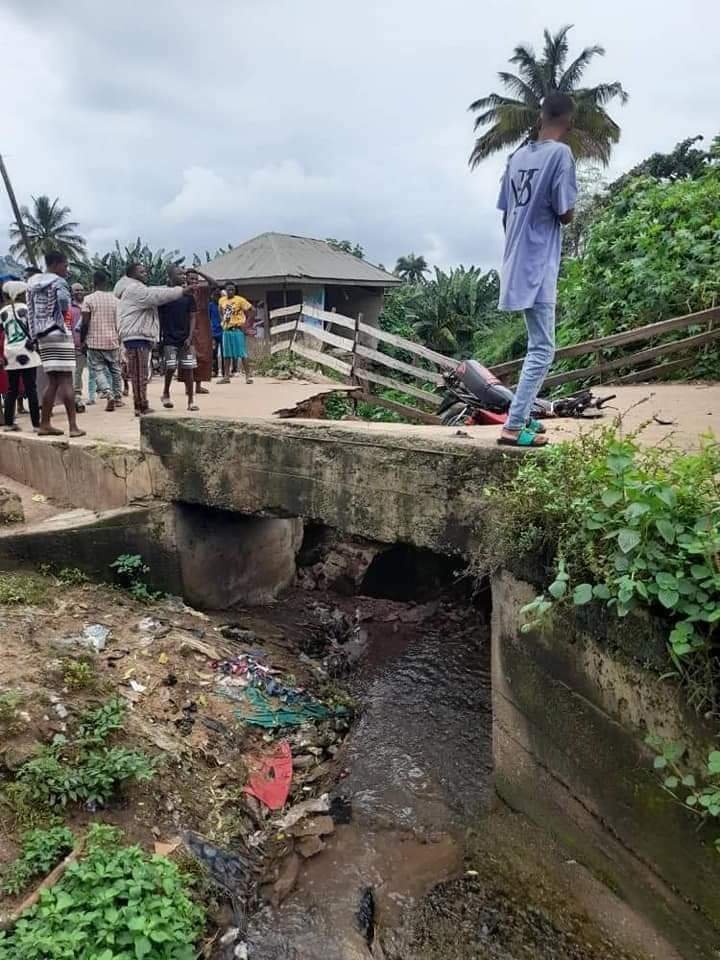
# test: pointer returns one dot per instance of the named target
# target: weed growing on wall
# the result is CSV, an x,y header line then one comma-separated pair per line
x,y
131,571
623,525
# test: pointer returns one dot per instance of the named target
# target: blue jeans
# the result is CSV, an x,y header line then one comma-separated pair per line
x,y
540,323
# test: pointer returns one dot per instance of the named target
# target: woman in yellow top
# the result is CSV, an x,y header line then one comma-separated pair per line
x,y
234,314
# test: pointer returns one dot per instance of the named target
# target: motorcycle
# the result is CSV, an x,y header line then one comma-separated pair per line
x,y
474,396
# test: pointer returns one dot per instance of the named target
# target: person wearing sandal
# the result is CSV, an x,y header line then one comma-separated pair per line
x,y
48,303
537,197
177,327
234,311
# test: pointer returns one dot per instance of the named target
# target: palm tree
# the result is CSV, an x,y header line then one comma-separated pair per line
x,y
411,269
516,119
453,306
48,228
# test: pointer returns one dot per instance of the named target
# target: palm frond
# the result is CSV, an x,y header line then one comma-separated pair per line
x,y
531,69
518,86
555,54
572,76
602,94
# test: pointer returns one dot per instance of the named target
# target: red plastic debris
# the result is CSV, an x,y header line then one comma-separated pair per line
x,y
271,777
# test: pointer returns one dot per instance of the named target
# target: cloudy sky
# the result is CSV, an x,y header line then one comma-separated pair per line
x,y
194,124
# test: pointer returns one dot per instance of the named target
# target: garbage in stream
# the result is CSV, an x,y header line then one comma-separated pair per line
x,y
270,781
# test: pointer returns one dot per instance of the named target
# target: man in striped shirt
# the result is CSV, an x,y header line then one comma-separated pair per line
x,y
99,332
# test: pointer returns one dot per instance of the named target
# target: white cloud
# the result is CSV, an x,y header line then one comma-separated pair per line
x,y
206,194
322,118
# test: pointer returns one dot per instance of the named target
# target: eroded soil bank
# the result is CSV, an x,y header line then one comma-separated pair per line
x,y
418,861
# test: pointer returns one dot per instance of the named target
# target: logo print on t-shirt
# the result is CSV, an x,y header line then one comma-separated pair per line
x,y
523,191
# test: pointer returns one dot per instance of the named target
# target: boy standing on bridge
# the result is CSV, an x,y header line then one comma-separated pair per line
x,y
537,195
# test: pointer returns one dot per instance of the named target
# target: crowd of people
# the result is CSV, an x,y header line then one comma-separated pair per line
x,y
54,337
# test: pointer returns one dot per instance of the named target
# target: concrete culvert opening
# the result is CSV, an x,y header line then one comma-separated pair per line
x,y
406,573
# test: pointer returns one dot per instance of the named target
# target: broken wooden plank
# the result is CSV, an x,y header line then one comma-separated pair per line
x,y
412,413
50,880
677,346
648,332
368,375
409,346
324,359
394,364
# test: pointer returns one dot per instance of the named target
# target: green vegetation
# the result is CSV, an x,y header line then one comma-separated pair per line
x,y
446,313
345,246
411,268
131,570
698,791
72,577
82,769
114,263
41,851
79,674
650,255
515,118
10,702
25,588
629,527
117,903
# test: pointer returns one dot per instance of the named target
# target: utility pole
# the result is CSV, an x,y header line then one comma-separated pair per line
x,y
16,210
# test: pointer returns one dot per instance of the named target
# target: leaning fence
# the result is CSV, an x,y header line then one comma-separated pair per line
x,y
707,331
354,354
306,331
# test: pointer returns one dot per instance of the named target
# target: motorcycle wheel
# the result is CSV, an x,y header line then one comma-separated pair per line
x,y
454,415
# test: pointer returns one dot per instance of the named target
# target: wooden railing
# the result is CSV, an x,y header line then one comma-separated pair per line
x,y
358,358
357,351
686,345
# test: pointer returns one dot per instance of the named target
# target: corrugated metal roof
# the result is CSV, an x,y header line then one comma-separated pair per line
x,y
279,257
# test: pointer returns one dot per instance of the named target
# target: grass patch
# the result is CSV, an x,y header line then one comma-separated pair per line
x,y
23,588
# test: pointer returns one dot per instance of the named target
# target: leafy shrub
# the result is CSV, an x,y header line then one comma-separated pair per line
x,y
79,674
131,569
626,526
41,851
698,791
114,904
651,254
82,769
72,576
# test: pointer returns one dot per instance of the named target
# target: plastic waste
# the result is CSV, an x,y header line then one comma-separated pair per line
x,y
260,711
270,782
94,637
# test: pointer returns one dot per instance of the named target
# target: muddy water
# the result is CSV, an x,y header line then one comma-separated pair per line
x,y
418,772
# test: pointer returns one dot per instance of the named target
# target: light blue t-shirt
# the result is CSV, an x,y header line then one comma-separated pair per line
x,y
538,186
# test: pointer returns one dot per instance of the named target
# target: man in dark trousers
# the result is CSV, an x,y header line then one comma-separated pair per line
x,y
177,327
537,196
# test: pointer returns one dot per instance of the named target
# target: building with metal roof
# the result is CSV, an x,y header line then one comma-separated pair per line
x,y
280,258
279,270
